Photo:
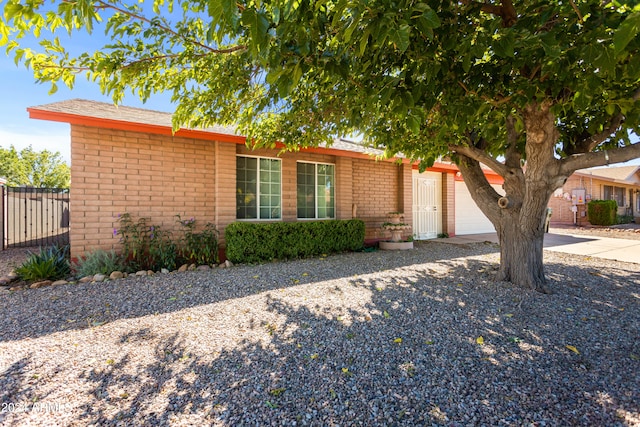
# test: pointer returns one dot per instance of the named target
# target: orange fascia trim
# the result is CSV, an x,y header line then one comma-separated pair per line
x,y
75,119
492,177
133,127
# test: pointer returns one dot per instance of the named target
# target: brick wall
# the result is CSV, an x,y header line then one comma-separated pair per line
x,y
157,177
145,175
375,193
448,204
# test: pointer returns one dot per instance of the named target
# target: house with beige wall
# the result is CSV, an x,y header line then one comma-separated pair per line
x,y
129,160
619,183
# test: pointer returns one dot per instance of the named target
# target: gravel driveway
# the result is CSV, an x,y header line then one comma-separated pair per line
x,y
385,338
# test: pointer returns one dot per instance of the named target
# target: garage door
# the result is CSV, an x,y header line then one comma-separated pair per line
x,y
469,217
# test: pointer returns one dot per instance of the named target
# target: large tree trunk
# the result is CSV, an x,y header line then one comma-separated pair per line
x,y
519,216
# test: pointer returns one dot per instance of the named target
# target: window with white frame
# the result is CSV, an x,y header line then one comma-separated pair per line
x,y
316,191
258,188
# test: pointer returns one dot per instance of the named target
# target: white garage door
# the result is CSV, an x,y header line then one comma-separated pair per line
x,y
469,217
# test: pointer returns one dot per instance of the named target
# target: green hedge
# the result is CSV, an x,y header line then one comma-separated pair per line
x,y
602,212
259,242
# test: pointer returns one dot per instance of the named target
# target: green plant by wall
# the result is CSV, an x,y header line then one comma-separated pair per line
x,y
260,242
624,219
602,212
198,247
51,263
98,262
145,247
151,247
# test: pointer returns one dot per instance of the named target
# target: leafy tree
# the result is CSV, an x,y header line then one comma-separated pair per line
x,y
34,168
533,90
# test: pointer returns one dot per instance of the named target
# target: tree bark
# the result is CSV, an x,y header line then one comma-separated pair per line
x,y
519,216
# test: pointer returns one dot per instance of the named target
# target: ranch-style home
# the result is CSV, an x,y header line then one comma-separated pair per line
x,y
128,160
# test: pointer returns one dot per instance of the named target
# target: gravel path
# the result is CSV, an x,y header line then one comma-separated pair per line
x,y
385,338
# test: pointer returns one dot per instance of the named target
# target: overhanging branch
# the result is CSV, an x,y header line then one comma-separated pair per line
x,y
482,157
600,158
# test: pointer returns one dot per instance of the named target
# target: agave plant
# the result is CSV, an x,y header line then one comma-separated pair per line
x,y
49,263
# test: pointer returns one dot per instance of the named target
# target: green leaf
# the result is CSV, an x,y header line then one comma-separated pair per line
x,y
400,37
258,26
626,32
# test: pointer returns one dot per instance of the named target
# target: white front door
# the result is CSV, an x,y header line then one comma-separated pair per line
x,y
427,205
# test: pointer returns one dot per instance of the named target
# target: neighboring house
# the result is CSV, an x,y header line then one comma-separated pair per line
x,y
128,160
621,184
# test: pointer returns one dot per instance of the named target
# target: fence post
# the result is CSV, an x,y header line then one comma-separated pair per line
x,y
4,218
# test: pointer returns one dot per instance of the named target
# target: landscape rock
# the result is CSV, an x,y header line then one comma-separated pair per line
x,y
99,278
4,281
86,279
203,268
59,282
164,271
228,263
223,265
192,267
40,284
15,288
150,273
183,268
141,273
116,275
14,276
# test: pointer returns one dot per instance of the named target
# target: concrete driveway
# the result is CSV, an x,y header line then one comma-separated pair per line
x,y
602,247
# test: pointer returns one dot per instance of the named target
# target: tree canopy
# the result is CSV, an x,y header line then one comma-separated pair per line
x,y
34,168
416,77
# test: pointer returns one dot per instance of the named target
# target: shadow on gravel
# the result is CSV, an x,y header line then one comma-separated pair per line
x,y
35,312
410,356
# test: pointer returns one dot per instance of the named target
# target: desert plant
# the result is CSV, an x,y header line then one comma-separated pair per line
x,y
50,263
98,262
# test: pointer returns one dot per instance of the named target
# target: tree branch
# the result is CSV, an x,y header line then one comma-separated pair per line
x,y
482,157
600,158
481,191
507,11
169,30
512,155
588,144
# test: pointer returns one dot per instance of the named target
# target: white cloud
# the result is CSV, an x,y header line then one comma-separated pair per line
x,y
53,141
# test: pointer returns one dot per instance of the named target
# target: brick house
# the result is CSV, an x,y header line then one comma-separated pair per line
x,y
128,160
621,184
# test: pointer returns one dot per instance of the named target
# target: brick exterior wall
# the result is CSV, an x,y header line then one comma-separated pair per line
x,y
448,204
157,177
145,175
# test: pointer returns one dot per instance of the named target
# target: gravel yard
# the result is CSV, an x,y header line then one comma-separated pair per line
x,y
385,338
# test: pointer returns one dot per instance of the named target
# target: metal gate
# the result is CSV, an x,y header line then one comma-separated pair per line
x,y
427,216
34,216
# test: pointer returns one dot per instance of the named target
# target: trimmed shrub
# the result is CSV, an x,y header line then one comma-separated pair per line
x,y
50,263
260,242
602,212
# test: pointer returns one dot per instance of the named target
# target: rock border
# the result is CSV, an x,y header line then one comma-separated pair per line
x,y
13,283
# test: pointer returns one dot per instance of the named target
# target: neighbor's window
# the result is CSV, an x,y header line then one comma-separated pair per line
x,y
258,188
615,193
316,191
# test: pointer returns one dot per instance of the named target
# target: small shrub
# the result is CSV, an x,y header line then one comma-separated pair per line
x,y
602,212
251,242
200,248
99,262
51,263
443,235
145,247
624,219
